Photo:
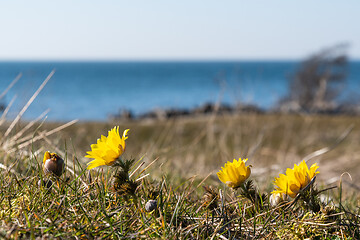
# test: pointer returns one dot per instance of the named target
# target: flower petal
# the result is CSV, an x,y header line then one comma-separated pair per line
x,y
107,149
234,173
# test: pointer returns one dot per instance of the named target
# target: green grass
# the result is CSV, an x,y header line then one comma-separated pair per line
x,y
177,169
83,204
91,209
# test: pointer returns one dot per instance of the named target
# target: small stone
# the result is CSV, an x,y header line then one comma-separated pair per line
x,y
150,205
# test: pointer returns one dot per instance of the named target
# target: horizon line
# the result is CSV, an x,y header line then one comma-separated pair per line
x,y
165,60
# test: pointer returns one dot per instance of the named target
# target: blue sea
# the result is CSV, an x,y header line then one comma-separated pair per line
x,y
92,91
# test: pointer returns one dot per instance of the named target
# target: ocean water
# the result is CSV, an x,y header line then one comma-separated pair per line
x,y
95,90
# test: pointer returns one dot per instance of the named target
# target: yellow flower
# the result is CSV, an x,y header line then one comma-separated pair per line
x,y
295,179
234,174
107,149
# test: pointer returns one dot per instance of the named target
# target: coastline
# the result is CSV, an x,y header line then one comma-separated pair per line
x,y
227,109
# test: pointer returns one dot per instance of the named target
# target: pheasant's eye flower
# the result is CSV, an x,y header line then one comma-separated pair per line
x,y
53,164
107,149
295,179
234,174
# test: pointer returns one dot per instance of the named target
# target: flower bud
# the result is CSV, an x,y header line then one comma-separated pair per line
x,y
150,205
53,164
276,198
47,183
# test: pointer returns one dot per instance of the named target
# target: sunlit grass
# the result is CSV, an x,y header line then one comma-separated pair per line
x,y
71,209
166,185
84,204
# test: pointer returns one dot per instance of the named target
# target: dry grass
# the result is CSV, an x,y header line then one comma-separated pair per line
x,y
83,204
200,145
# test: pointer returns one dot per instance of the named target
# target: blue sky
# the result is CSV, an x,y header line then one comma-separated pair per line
x,y
175,30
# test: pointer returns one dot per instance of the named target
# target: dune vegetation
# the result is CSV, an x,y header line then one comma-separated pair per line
x,y
183,178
